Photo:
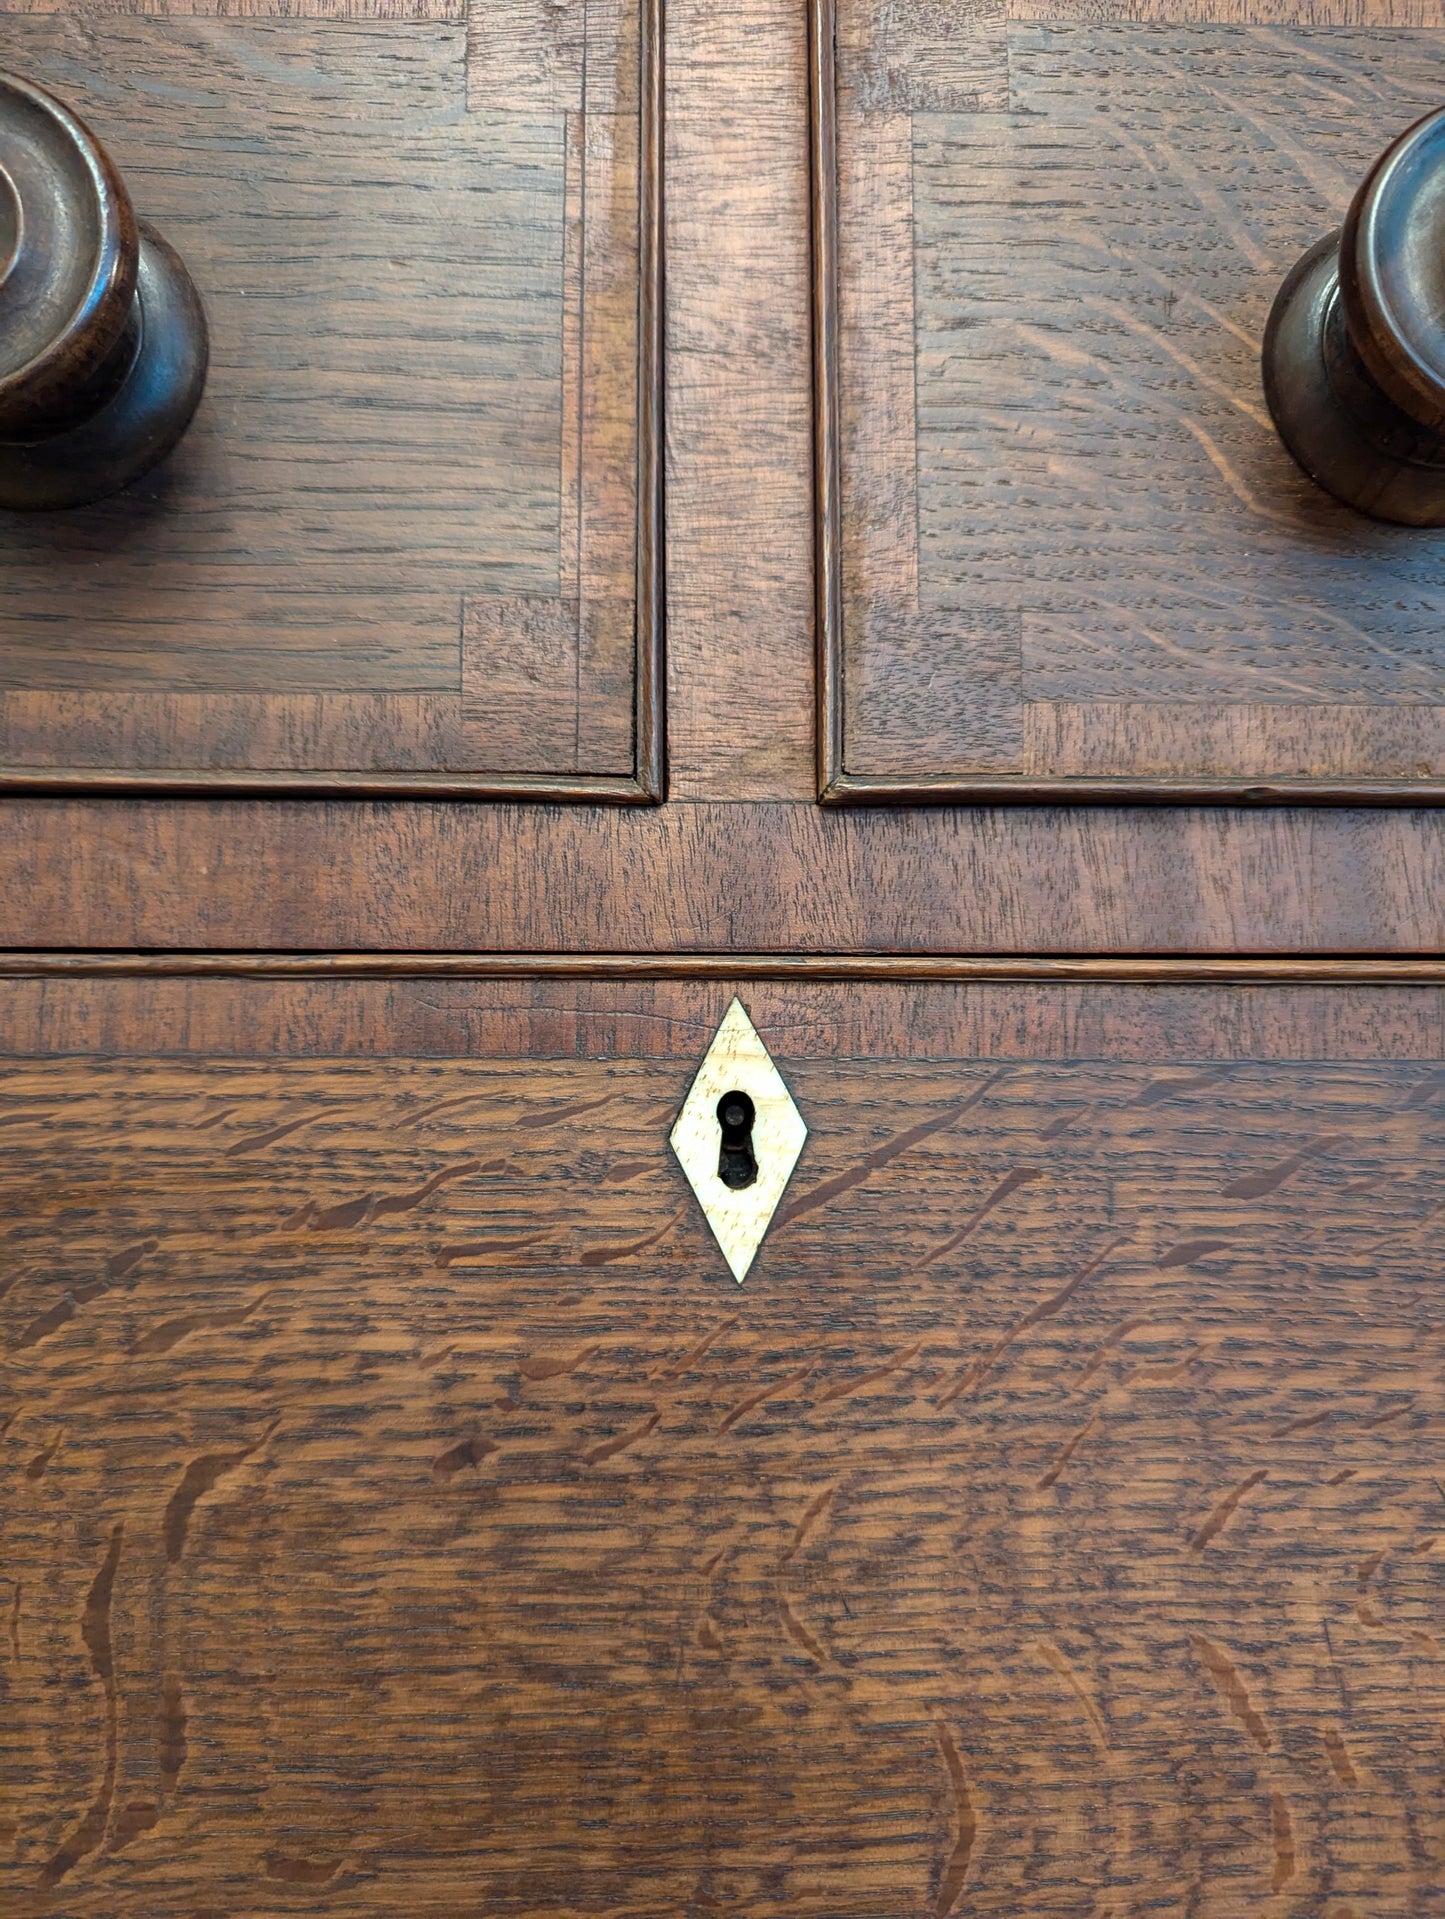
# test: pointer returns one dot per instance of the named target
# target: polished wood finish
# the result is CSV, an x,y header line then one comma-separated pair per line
x,y
731,966
105,342
1354,361
496,1015
413,543
407,1513
709,877
739,856
637,1016
1057,565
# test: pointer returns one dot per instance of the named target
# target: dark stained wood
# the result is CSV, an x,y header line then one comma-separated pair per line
x,y
406,1513
219,1006
1349,376
1062,553
1288,13
431,433
409,10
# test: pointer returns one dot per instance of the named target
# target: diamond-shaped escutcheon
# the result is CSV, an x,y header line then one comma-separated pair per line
x,y
738,1138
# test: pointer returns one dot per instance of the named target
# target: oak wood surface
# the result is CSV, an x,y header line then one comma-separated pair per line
x,y
404,535
740,528
427,1015
709,877
401,1510
958,969
405,1512
286,557
1071,546
703,873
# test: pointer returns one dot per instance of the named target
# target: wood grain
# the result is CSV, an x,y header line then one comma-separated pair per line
x,y
1292,13
1176,556
536,56
408,10
962,969
714,877
405,1510
402,1512
1314,742
739,494
1081,447
908,56
434,408
365,479
215,1008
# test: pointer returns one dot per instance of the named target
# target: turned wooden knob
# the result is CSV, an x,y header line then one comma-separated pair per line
x,y
1354,354
102,334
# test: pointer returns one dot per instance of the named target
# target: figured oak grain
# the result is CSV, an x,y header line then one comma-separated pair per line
x,y
1093,279
1071,546
708,875
404,1509
313,361
419,442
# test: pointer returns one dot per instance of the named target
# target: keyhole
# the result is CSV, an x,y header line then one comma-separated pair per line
x,y
737,1164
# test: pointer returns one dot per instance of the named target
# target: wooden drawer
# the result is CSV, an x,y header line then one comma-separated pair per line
x,y
406,1512
1066,555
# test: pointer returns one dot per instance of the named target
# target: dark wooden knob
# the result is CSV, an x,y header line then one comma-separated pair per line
x,y
1354,354
102,334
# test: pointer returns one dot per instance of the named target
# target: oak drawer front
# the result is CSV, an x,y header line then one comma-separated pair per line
x,y
406,1511
1070,557
409,544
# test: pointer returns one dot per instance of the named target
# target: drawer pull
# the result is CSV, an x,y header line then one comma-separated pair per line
x,y
1354,353
102,334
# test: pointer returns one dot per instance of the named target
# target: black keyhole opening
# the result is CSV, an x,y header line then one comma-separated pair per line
x,y
737,1165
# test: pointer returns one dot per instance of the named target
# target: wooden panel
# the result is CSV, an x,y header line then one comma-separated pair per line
x,y
714,875
715,878
404,1511
1295,13
409,1009
421,421
740,650
551,58
261,9
326,545
1071,558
